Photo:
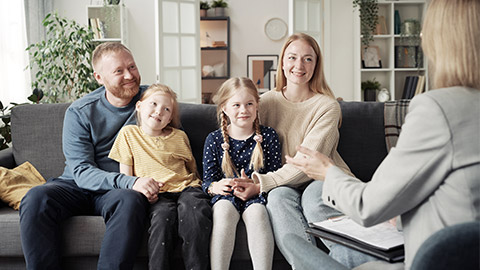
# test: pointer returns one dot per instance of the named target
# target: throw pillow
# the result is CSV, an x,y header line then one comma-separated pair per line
x,y
15,183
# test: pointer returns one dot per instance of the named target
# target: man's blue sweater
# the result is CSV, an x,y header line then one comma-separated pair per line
x,y
90,127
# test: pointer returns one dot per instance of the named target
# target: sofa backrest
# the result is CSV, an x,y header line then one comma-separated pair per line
x,y
198,120
37,135
362,137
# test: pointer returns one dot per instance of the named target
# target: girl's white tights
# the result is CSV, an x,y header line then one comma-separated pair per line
x,y
259,235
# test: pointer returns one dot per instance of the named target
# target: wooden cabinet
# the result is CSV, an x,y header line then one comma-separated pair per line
x,y
398,51
215,54
108,22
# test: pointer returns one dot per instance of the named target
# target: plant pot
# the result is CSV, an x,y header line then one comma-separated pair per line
x,y
369,95
219,11
203,13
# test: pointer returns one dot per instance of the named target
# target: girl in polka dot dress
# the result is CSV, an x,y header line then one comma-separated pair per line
x,y
240,147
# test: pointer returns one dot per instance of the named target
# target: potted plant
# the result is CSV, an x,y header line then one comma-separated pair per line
x,y
219,6
368,18
204,6
369,89
63,60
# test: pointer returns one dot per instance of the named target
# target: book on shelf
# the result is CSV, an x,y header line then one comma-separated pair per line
x,y
405,87
410,87
420,85
219,44
383,240
95,29
101,28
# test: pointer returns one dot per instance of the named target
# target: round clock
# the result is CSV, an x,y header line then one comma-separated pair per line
x,y
275,29
383,95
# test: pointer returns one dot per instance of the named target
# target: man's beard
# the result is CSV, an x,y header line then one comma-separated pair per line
x,y
124,92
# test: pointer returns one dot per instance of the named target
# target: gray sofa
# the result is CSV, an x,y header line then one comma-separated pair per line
x,y
36,133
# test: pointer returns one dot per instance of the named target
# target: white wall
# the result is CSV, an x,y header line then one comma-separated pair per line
x,y
341,49
247,21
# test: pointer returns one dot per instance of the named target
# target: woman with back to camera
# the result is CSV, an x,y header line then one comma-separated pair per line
x,y
303,111
431,177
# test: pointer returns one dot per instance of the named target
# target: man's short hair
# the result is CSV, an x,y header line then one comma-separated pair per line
x,y
107,47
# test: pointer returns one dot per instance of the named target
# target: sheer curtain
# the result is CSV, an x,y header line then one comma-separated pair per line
x,y
14,78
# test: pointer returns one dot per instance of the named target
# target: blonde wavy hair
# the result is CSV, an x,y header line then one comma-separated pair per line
x,y
227,90
451,41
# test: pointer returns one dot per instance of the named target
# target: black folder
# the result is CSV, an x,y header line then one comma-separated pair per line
x,y
395,254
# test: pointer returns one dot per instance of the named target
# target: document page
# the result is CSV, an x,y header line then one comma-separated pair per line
x,y
383,236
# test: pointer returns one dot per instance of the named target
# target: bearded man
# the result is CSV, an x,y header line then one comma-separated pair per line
x,y
91,183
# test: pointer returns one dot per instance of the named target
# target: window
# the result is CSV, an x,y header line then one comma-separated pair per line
x,y
15,79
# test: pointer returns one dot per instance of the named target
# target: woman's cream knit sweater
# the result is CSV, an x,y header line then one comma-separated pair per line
x,y
312,123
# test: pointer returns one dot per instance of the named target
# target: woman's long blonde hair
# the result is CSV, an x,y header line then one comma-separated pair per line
x,y
317,83
227,90
451,41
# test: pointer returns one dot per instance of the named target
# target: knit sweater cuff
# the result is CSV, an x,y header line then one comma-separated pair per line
x,y
267,182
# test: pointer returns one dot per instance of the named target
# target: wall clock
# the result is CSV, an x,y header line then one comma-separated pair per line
x,y
275,29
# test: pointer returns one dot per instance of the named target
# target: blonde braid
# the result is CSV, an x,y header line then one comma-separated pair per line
x,y
227,166
256,161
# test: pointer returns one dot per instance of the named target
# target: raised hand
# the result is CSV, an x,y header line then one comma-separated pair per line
x,y
313,163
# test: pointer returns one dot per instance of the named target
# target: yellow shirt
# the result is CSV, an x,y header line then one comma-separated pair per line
x,y
167,159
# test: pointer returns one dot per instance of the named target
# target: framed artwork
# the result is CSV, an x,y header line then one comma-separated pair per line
x,y
371,57
258,70
273,78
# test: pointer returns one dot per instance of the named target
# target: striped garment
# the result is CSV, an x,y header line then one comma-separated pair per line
x,y
394,117
167,159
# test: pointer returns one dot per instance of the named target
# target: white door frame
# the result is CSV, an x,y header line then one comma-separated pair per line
x,y
187,87
317,28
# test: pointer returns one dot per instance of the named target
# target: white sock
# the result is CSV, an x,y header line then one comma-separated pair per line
x,y
222,242
260,236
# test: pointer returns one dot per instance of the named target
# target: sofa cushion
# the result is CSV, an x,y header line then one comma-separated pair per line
x,y
362,137
44,148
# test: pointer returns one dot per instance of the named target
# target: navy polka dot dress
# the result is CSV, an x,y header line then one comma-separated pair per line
x,y
240,152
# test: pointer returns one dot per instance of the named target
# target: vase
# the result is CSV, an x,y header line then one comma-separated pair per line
x,y
219,11
203,13
397,23
369,95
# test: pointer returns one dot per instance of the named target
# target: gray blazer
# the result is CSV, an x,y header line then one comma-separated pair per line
x,y
431,178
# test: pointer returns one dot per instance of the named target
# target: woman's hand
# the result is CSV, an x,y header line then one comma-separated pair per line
x,y
314,164
223,187
244,187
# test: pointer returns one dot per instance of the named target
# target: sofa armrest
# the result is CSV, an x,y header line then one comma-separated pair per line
x,y
6,158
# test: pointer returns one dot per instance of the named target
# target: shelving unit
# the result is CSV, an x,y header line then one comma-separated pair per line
x,y
215,57
111,21
390,75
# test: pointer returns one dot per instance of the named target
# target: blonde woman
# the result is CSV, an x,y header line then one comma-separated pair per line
x,y
303,111
431,177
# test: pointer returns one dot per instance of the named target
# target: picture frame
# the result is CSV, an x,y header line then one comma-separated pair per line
x,y
371,57
258,70
273,78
